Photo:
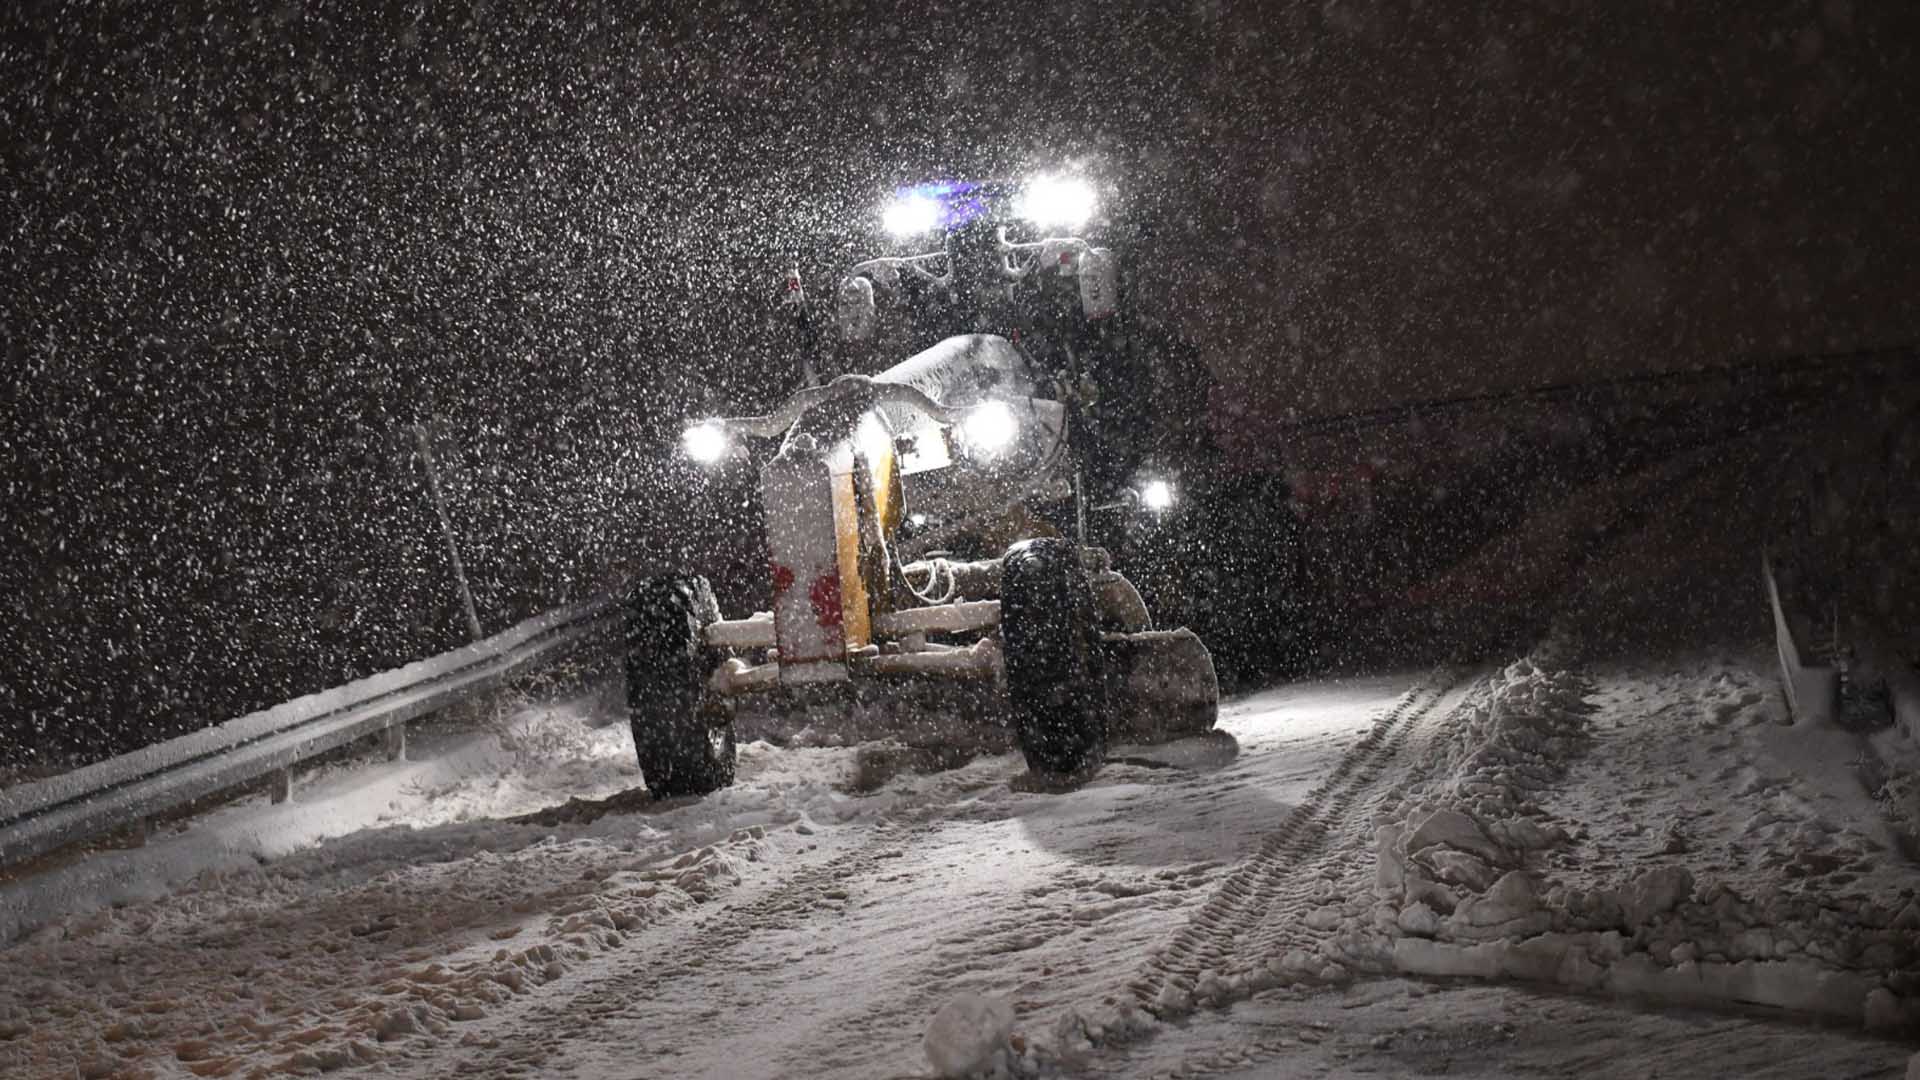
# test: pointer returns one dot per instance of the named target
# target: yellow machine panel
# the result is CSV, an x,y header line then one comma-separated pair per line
x,y
856,617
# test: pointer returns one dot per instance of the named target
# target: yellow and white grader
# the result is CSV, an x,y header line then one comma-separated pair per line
x,y
926,525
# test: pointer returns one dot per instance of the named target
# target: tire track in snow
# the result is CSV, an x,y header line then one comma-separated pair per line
x,y
700,971
1341,877
1244,903
744,981
635,982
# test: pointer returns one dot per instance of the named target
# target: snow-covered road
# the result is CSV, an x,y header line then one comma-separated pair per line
x,y
412,920
836,943
787,922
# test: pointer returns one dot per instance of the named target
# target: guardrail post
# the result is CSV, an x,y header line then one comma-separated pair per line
x,y
281,788
446,530
394,741
1813,691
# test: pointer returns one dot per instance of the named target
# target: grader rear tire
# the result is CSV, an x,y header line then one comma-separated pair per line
x,y
684,745
1050,631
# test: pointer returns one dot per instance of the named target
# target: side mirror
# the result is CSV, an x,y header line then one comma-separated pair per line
x,y
793,293
1099,283
855,313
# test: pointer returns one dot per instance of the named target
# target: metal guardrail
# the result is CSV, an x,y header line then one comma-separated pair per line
x,y
127,790
1813,690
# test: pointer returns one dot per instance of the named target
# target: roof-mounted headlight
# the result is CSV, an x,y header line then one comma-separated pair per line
x,y
911,215
705,442
1057,202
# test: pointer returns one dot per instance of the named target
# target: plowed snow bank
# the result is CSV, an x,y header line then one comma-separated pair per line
x,y
1650,835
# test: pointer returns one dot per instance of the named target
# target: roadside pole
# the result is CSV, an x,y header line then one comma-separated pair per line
x,y
446,530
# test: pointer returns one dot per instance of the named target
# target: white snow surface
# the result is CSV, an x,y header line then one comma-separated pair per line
x,y
388,917
1658,832
1266,900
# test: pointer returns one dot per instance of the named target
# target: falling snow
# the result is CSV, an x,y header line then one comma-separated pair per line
x,y
1477,352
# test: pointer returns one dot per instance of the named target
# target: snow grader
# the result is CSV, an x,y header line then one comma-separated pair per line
x,y
927,524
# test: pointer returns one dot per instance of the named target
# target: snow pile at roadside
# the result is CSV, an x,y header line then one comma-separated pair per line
x,y
1477,876
460,793
1900,792
1456,846
539,755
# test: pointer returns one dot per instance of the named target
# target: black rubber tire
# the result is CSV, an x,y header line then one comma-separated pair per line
x,y
1049,630
684,746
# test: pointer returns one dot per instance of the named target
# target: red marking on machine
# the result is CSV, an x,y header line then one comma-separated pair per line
x,y
782,578
825,595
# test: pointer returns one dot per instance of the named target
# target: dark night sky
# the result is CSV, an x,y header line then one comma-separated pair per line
x,y
242,245
1442,201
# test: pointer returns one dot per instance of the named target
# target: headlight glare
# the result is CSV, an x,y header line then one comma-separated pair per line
x,y
705,442
1057,201
989,428
1156,496
911,215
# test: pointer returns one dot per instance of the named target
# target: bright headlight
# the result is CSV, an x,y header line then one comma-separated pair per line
x,y
911,215
1057,201
705,442
1157,496
989,428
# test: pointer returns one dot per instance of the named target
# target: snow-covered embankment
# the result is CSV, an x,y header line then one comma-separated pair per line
x,y
1477,875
